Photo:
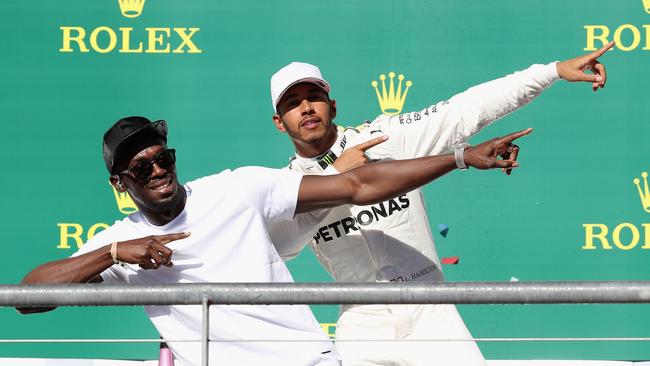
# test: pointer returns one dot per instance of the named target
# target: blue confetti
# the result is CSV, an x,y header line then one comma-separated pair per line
x,y
443,229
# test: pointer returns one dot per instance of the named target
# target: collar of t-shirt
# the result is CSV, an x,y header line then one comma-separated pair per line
x,y
141,217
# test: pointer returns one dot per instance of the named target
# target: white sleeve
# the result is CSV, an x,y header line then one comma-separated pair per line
x,y
290,236
436,129
273,192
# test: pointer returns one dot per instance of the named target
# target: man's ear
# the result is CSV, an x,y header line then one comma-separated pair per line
x,y
117,183
277,121
332,109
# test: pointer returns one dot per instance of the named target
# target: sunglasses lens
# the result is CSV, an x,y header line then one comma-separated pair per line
x,y
142,170
166,159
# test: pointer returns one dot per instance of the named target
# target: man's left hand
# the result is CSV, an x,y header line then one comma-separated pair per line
x,y
486,155
356,155
574,69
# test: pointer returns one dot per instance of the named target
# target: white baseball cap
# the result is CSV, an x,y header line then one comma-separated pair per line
x,y
292,74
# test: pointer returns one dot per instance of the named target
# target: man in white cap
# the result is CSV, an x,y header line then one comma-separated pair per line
x,y
391,241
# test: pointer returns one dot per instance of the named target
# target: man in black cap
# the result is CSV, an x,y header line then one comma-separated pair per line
x,y
215,230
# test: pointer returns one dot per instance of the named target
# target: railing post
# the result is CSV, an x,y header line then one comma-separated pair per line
x,y
205,337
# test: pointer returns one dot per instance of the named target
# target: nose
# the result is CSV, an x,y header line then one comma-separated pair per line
x,y
156,170
306,107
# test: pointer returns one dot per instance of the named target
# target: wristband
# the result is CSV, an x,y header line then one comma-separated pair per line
x,y
114,253
459,156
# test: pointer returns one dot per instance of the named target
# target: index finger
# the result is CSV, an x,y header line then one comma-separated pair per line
x,y
594,55
515,135
370,143
167,238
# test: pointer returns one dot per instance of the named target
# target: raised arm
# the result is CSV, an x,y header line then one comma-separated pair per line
x,y
380,181
437,128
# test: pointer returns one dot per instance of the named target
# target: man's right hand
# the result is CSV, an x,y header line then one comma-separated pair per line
x,y
149,252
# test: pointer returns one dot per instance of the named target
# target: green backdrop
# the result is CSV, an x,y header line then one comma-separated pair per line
x,y
204,66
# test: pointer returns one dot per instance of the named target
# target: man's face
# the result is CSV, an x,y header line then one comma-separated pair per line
x,y
160,190
305,113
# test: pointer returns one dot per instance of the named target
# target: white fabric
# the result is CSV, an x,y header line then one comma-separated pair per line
x,y
391,241
402,335
292,74
227,215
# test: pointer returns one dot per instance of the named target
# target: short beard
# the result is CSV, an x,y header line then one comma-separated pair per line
x,y
294,136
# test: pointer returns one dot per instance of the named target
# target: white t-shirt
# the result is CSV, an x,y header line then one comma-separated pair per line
x,y
227,215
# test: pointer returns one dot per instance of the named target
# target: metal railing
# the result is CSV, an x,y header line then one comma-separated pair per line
x,y
206,294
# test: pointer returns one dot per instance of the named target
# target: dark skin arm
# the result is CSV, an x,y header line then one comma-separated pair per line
x,y
149,253
378,182
361,186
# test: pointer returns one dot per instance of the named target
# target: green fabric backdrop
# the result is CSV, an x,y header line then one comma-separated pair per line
x,y
577,167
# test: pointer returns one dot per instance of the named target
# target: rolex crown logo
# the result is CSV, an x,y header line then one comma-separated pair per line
x,y
646,5
131,8
644,192
392,101
124,202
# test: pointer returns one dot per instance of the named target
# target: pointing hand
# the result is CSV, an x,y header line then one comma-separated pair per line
x,y
575,69
485,155
356,155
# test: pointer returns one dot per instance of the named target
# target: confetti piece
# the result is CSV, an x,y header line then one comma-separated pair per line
x,y
443,229
451,260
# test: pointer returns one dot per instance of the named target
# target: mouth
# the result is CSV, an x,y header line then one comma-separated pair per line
x,y
163,186
310,123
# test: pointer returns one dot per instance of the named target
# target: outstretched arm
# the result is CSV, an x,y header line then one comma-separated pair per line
x,y
380,181
435,129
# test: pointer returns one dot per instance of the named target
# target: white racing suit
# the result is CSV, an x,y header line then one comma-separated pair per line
x,y
391,241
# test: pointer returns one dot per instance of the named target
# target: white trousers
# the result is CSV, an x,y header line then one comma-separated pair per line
x,y
404,334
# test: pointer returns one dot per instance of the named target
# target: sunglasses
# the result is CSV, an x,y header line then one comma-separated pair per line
x,y
142,169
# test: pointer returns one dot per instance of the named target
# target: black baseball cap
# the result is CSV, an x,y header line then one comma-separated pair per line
x,y
129,136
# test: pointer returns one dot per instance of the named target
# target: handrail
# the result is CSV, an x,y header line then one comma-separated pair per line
x,y
548,292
